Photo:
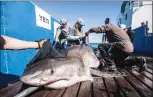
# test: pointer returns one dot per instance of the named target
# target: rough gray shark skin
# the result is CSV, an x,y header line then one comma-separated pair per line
x,y
62,72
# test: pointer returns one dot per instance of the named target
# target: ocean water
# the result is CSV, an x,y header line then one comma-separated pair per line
x,y
94,45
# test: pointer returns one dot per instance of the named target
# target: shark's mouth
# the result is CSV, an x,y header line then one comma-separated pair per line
x,y
55,80
42,81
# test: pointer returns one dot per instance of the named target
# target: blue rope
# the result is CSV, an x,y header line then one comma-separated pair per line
x,y
122,41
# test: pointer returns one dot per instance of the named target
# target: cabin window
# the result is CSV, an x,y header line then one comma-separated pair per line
x,y
126,17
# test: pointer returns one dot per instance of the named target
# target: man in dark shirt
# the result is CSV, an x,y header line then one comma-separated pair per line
x,y
119,46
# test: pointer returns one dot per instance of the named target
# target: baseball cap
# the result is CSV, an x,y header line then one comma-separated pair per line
x,y
63,21
80,21
123,26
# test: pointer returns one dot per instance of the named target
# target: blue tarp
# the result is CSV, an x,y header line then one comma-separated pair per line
x,y
18,20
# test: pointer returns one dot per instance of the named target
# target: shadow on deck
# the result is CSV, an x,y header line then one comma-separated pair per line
x,y
136,84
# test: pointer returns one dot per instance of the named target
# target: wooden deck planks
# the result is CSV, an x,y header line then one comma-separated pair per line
x,y
150,65
142,78
85,89
111,86
149,70
56,93
72,91
148,75
125,87
11,89
46,93
99,89
138,86
98,93
38,93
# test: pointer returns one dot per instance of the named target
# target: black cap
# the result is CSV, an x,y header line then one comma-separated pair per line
x,y
107,21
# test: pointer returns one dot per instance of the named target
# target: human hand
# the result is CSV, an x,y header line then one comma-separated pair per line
x,y
41,42
54,43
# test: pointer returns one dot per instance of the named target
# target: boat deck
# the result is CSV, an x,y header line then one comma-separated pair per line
x,y
136,84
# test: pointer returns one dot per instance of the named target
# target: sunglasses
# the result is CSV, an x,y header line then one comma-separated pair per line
x,y
63,24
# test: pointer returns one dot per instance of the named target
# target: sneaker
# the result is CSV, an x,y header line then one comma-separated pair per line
x,y
142,66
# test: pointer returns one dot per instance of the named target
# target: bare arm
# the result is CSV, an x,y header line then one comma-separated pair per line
x,y
12,43
97,30
57,35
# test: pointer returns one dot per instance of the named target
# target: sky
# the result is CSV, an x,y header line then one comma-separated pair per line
x,y
93,13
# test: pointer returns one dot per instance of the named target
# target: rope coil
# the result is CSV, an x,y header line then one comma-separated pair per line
x,y
4,33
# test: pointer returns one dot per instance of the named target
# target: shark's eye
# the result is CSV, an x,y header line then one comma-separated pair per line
x,y
52,71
